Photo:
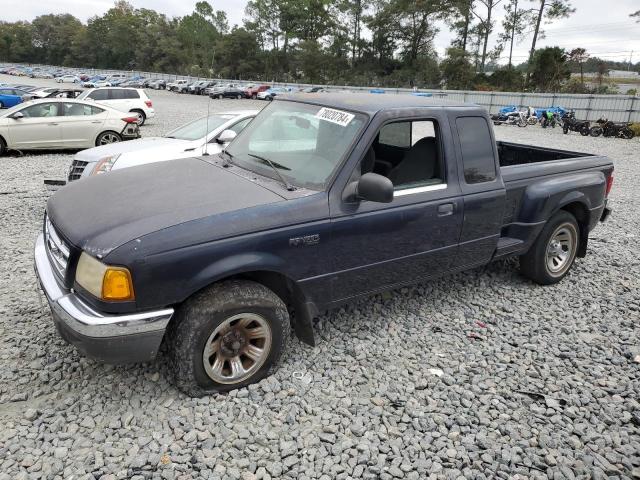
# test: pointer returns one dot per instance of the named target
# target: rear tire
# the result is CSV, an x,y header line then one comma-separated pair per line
x,y
107,138
141,117
627,133
551,256
584,131
227,336
3,146
595,131
239,97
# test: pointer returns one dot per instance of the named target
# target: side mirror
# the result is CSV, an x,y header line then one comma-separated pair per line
x,y
372,187
17,116
226,136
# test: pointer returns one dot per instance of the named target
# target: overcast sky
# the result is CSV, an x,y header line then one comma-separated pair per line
x,y
602,27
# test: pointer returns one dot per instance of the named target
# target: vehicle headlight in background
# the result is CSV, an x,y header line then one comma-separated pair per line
x,y
104,281
105,164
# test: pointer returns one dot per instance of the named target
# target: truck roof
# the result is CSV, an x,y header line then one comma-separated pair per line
x,y
371,103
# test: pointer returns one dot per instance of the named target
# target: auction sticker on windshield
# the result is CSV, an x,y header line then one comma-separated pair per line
x,y
335,116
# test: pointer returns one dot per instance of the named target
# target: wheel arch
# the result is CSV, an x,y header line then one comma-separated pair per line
x,y
581,213
301,308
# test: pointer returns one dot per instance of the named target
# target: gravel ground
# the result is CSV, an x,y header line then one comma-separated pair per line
x,y
478,375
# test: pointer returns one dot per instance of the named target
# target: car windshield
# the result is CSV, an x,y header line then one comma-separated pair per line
x,y
304,142
199,128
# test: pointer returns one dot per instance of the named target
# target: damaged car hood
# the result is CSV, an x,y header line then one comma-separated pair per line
x,y
101,213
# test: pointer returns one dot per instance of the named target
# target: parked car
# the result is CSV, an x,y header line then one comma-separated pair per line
x,y
272,93
230,90
313,90
175,86
198,88
204,136
321,201
157,84
68,79
91,83
65,93
134,100
55,124
16,91
252,92
8,97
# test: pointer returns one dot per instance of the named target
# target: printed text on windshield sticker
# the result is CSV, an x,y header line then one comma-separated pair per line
x,y
335,116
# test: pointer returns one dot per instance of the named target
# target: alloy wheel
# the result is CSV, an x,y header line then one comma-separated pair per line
x,y
237,348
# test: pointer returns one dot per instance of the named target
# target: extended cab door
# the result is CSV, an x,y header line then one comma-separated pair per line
x,y
482,187
379,245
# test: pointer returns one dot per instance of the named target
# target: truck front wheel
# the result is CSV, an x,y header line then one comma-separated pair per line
x,y
227,336
554,251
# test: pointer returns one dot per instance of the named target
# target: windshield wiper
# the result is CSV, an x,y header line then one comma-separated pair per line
x,y
275,166
226,161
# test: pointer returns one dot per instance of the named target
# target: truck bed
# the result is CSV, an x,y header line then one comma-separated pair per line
x,y
520,162
532,172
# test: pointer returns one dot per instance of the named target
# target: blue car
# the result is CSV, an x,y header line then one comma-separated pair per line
x,y
10,97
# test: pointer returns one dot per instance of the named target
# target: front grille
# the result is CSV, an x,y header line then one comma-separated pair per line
x,y
56,248
77,167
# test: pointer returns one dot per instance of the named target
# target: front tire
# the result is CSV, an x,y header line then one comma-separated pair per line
x,y
107,138
554,251
595,131
227,336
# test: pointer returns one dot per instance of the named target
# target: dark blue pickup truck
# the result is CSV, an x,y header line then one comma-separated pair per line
x,y
322,199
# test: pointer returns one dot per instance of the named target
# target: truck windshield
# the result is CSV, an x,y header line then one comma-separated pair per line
x,y
198,128
305,142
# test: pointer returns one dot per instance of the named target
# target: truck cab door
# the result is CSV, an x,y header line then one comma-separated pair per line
x,y
482,188
381,245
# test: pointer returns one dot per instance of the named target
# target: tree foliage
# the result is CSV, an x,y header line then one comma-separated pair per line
x,y
357,42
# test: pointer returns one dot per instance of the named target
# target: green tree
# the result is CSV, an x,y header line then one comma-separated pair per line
x,y
52,35
457,71
549,69
548,10
578,56
486,27
514,25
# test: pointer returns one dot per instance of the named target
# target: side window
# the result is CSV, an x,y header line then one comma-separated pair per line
x,y
130,94
407,153
238,127
117,95
396,134
477,150
80,109
99,95
41,110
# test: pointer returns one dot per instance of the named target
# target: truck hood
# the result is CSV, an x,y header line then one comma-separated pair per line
x,y
101,213
151,145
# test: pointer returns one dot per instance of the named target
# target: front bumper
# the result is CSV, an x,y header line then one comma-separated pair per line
x,y
123,338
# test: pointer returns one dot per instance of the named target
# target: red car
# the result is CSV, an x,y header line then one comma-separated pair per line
x,y
252,92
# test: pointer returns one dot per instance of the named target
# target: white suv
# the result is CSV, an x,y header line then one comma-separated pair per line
x,y
133,100
177,85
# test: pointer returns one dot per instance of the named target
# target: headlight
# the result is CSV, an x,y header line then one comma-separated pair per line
x,y
105,164
103,281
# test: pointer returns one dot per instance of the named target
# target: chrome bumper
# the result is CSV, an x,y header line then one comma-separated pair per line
x,y
113,338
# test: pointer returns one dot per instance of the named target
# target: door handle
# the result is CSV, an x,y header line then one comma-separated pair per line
x,y
52,124
446,209
96,121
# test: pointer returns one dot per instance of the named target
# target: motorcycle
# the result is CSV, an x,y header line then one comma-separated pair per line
x,y
570,123
607,128
510,118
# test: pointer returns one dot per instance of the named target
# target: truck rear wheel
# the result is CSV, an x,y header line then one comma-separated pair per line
x,y
227,336
554,251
